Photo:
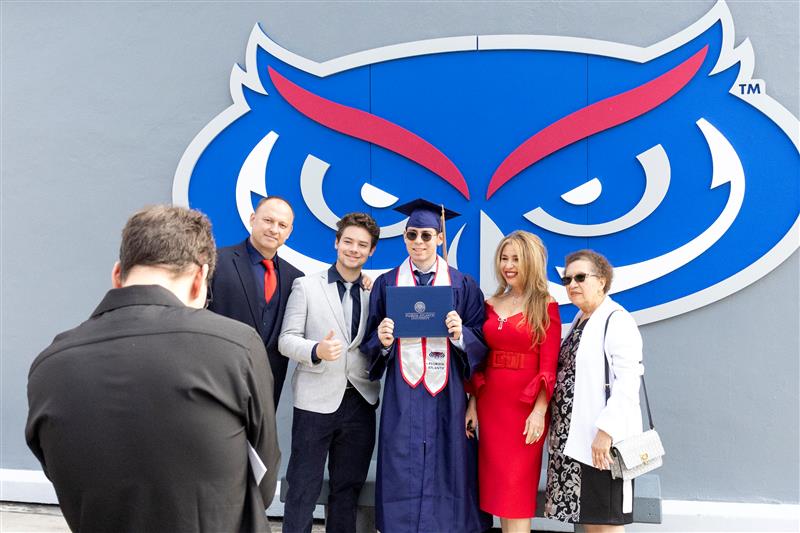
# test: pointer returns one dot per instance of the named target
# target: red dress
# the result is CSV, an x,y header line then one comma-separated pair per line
x,y
508,469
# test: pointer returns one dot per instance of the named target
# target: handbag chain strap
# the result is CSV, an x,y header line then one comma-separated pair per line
x,y
608,377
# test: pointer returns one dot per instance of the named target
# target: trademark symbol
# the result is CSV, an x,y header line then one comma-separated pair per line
x,y
756,87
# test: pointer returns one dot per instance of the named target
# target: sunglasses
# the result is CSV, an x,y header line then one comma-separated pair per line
x,y
411,235
579,278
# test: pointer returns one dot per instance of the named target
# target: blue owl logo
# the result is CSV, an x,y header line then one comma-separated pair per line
x,y
670,159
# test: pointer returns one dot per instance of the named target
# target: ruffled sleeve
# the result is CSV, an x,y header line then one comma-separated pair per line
x,y
548,360
473,386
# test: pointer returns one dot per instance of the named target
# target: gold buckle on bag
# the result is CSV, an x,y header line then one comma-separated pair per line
x,y
644,457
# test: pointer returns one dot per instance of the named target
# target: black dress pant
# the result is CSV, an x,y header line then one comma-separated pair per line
x,y
346,437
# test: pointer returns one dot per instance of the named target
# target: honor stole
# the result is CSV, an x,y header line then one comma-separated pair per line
x,y
424,359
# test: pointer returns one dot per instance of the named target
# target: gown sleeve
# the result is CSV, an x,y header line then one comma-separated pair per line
x,y
548,360
371,346
473,315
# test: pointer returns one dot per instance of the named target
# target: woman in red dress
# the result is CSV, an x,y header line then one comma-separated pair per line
x,y
510,396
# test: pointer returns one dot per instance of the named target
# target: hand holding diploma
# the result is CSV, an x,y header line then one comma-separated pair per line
x,y
386,332
453,323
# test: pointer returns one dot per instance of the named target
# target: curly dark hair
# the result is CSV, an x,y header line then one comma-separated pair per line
x,y
362,220
602,267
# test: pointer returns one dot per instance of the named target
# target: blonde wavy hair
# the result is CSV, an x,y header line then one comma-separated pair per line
x,y
532,272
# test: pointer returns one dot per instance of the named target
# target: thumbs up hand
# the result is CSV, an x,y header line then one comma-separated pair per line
x,y
329,348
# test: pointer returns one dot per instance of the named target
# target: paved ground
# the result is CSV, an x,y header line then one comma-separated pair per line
x,y
17,517
25,518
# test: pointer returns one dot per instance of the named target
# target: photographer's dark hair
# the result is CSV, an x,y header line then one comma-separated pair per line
x,y
170,237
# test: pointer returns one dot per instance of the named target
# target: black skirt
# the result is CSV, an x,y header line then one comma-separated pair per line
x,y
583,494
601,498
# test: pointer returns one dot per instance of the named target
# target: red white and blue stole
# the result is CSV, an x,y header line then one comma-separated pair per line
x,y
424,359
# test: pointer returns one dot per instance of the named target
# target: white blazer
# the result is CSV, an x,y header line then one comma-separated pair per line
x,y
621,417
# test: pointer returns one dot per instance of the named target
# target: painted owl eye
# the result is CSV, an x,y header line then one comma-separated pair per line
x,y
311,178
726,168
584,194
657,175
251,179
375,197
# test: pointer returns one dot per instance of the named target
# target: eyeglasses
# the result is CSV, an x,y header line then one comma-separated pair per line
x,y
579,278
411,235
209,296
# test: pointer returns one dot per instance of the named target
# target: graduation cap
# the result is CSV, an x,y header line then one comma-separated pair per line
x,y
424,214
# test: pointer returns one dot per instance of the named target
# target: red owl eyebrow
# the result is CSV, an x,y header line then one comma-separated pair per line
x,y
371,128
595,118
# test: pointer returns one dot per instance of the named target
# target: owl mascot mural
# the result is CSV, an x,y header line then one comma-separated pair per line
x,y
669,159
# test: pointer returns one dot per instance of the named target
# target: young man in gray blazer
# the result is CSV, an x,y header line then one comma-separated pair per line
x,y
334,400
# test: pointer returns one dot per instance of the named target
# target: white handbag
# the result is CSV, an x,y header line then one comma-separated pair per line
x,y
637,454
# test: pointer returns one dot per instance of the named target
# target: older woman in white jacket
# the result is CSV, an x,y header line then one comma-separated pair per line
x,y
584,426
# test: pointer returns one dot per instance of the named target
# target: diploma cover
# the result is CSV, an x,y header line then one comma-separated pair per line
x,y
419,311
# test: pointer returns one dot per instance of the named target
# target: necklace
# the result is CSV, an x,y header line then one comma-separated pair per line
x,y
514,303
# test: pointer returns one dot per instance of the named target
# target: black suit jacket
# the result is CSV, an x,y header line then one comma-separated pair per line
x,y
141,416
237,296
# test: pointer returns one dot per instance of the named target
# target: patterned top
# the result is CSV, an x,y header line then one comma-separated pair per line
x,y
565,389
563,492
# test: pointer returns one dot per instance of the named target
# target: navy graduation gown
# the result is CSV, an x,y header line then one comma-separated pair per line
x,y
427,468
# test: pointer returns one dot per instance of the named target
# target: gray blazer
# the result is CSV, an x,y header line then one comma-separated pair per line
x,y
313,309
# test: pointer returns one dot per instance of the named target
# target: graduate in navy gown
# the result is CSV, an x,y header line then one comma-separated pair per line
x,y
427,467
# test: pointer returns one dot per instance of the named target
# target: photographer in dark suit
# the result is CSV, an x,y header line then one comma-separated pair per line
x,y
142,415
252,283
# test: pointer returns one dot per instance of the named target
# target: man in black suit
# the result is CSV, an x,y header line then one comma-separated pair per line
x,y
252,283
141,416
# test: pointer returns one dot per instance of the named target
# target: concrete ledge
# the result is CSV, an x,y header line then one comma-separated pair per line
x,y
683,515
647,500
646,503
30,486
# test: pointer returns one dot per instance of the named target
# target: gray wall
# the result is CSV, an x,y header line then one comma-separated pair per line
x,y
99,101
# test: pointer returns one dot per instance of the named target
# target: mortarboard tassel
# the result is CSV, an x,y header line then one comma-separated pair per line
x,y
444,237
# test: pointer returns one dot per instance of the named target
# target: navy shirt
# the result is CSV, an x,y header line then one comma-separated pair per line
x,y
268,310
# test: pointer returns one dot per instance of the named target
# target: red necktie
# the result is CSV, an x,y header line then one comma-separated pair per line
x,y
270,283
